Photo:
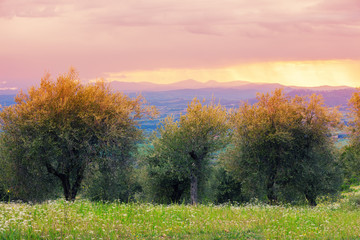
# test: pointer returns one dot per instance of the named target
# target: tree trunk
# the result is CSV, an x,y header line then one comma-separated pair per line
x,y
270,189
194,178
66,186
65,180
194,188
311,199
77,183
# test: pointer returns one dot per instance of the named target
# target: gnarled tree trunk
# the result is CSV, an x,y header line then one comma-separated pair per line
x,y
194,173
194,188
70,192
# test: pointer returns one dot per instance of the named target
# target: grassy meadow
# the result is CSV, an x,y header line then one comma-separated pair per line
x,y
94,220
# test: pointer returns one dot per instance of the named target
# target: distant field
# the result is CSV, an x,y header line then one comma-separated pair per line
x,y
88,220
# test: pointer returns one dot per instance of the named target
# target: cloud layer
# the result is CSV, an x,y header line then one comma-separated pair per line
x,y
114,36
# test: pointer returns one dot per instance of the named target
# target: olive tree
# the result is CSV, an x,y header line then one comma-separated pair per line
x,y
351,154
181,151
61,127
282,148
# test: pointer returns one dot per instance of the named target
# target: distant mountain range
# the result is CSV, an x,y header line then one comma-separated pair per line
x,y
228,92
193,84
188,84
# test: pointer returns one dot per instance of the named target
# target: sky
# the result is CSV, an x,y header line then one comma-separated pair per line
x,y
292,42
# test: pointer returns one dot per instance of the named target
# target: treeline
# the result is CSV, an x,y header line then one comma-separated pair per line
x,y
72,140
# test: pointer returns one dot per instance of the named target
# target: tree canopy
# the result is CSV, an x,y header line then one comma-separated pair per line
x,y
62,126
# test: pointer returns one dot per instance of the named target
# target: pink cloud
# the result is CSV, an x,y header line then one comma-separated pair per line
x,y
112,36
28,9
340,6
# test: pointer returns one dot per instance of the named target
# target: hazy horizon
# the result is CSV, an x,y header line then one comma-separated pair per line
x,y
190,84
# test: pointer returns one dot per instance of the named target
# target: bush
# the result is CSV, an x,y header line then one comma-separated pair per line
x,y
25,181
352,202
350,164
110,180
227,189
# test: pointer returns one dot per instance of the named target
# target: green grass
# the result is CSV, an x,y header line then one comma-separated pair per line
x,y
91,220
